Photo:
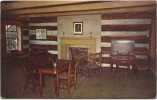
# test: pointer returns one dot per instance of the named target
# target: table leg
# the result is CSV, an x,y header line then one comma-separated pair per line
x,y
111,66
40,85
117,66
56,83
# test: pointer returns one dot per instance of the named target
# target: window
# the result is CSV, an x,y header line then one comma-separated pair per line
x,y
12,37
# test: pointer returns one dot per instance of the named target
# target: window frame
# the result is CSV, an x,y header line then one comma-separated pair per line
x,y
18,37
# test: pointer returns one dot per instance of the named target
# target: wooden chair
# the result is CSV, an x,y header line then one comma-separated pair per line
x,y
68,78
94,63
31,77
35,60
79,55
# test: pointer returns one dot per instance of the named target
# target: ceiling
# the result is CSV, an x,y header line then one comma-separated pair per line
x,y
58,8
35,4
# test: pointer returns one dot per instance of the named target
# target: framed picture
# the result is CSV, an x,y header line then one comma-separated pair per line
x,y
40,33
78,27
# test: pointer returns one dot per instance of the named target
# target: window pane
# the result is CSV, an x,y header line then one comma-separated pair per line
x,y
11,37
11,28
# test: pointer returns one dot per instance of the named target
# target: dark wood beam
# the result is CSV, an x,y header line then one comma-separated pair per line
x,y
127,15
137,39
43,27
44,47
43,19
125,27
138,50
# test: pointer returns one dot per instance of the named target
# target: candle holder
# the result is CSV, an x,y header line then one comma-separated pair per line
x,y
55,64
90,34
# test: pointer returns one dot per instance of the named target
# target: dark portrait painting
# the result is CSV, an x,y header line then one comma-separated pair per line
x,y
78,27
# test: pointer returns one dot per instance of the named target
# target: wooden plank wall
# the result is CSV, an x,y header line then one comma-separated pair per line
x,y
130,26
50,44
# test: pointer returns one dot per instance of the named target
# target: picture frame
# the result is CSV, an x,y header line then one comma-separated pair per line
x,y
78,27
41,34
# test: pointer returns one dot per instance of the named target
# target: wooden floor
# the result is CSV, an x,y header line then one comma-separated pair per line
x,y
107,84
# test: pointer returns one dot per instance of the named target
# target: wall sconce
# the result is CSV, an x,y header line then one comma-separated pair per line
x,y
90,34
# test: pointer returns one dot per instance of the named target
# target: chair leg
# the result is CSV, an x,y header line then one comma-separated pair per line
x,y
69,88
69,92
40,85
117,67
75,86
26,84
29,80
135,70
75,82
100,69
112,67
57,85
